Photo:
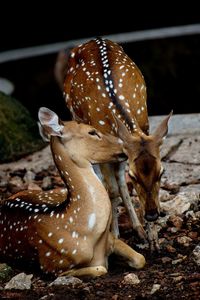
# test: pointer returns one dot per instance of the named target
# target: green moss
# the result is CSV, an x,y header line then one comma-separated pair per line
x,y
18,131
5,272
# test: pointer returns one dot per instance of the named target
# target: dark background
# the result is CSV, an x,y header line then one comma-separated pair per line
x,y
170,66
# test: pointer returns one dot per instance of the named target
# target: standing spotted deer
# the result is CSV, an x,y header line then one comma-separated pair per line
x,y
103,87
66,231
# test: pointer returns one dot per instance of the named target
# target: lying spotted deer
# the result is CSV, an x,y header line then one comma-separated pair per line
x,y
66,231
102,87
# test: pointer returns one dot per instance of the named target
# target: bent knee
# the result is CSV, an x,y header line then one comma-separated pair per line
x,y
138,262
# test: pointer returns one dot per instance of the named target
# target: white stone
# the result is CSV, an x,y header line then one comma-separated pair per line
x,y
196,254
131,278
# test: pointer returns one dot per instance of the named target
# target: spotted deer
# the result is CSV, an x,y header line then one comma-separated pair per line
x,y
104,87
66,231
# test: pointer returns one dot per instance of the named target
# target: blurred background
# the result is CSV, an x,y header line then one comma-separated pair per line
x,y
170,65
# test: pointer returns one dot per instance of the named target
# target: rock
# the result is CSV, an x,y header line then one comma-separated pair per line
x,y
46,182
5,271
184,240
34,186
176,221
37,162
178,278
171,143
66,280
18,131
170,249
86,289
180,204
115,297
155,288
15,184
20,282
49,296
188,152
192,188
177,261
197,214
196,254
193,234
187,174
166,259
29,177
164,195
131,278
162,222
190,214
3,179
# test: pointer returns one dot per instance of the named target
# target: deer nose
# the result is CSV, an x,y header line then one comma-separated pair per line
x,y
151,215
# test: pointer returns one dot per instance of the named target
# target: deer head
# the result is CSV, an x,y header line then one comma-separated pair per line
x,y
102,148
145,168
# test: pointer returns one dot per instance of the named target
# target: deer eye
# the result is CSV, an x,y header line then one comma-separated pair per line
x,y
94,133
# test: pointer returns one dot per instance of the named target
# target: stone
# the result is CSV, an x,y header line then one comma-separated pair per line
x,y
20,282
188,152
177,261
37,162
46,182
165,195
187,174
66,280
34,186
29,177
19,133
180,203
193,235
131,278
3,179
192,188
176,221
169,144
196,254
170,249
155,288
178,278
184,240
15,184
166,259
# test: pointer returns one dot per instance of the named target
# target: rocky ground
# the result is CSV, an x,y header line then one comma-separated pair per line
x,y
171,273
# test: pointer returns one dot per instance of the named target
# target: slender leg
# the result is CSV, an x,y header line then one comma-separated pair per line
x,y
134,259
120,175
113,190
98,172
152,233
87,271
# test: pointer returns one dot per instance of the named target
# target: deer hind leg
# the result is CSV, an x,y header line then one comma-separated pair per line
x,y
133,258
87,271
120,175
111,185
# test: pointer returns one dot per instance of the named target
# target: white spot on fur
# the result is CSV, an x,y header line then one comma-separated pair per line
x,y
91,220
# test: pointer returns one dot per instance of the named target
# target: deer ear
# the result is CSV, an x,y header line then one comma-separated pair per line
x,y
49,123
162,130
121,129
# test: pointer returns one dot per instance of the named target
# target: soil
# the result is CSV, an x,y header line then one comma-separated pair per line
x,y
173,269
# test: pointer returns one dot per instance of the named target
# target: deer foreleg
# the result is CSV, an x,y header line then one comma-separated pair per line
x,y
120,175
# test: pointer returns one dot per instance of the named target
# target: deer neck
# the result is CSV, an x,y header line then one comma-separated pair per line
x,y
81,181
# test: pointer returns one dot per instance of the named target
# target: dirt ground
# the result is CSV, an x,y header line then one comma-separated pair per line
x,y
173,270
